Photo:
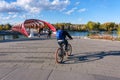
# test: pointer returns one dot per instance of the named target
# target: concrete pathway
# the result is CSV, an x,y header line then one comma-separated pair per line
x,y
33,59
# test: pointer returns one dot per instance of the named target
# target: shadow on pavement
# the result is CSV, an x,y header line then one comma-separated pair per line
x,y
88,57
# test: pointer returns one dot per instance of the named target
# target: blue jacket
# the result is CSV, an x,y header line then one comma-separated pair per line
x,y
62,34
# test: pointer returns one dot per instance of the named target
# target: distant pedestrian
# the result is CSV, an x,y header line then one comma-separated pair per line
x,y
49,33
39,31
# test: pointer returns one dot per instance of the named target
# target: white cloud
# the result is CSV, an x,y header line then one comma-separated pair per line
x,y
7,7
33,5
11,13
23,8
5,18
14,16
23,16
8,18
71,11
59,5
82,10
77,3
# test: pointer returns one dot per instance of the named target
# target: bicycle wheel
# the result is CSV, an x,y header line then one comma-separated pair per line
x,y
69,50
59,56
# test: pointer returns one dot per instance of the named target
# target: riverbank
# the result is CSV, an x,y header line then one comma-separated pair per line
x,y
104,37
53,37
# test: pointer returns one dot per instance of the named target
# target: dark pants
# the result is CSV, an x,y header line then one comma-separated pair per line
x,y
65,42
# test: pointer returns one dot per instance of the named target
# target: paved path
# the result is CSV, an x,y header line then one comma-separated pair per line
x,y
34,60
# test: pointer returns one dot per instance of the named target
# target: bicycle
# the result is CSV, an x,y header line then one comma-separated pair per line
x,y
61,52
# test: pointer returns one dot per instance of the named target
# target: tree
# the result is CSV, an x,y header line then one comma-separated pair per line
x,y
118,30
1,27
92,26
67,25
108,26
83,28
7,26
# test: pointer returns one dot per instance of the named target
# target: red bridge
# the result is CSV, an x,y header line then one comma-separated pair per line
x,y
32,23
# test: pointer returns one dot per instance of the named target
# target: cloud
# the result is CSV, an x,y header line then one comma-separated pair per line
x,y
77,3
59,5
7,7
82,10
14,16
5,18
33,6
71,11
24,9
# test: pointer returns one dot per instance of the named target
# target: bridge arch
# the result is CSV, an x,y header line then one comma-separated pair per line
x,y
32,23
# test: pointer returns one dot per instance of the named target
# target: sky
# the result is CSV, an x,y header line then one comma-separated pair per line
x,y
60,11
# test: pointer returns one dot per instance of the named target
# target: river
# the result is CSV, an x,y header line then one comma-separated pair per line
x,y
73,33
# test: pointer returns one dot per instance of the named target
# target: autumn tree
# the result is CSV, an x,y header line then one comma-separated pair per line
x,y
118,30
92,26
7,27
1,27
109,26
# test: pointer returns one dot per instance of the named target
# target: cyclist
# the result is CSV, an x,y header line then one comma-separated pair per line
x,y
61,37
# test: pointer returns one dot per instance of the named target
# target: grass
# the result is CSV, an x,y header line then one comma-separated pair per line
x,y
105,37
